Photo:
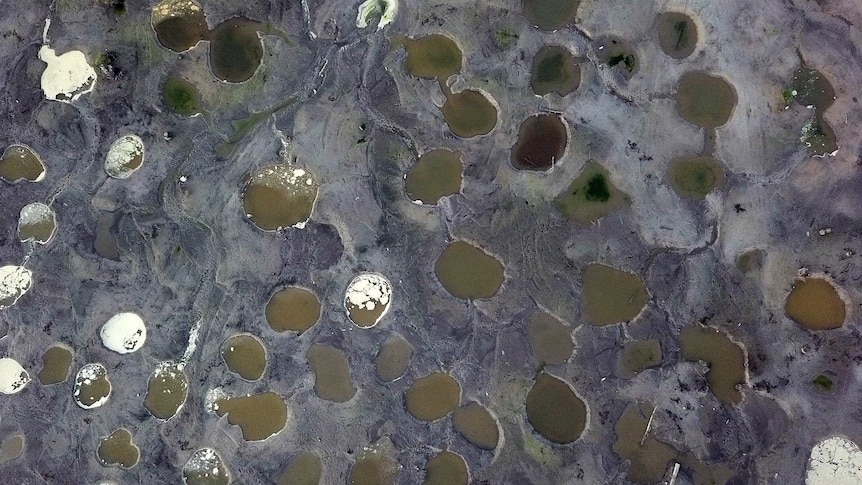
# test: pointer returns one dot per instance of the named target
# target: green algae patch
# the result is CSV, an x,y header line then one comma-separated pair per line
x,y
705,100
591,196
618,54
436,174
677,34
726,360
181,96
305,469
555,411
695,177
469,273
823,383
555,70
551,15
434,56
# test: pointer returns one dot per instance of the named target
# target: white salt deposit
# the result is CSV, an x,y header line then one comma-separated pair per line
x,y
205,463
368,290
14,282
125,156
89,375
835,461
13,377
67,76
124,333
387,9
34,214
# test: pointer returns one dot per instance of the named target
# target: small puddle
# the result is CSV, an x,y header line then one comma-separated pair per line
x,y
56,362
590,196
611,295
305,469
20,162
125,157
433,397
542,141
367,299
618,54
476,424
105,244
235,49
392,360
824,383
726,360
276,197
167,389
374,466
259,416
292,309
436,174
181,96
818,136
446,468
92,387
434,56
811,88
468,113
649,457
695,177
245,355
815,304
331,370
555,70
12,448
551,15
118,450
555,411
36,223
469,273
179,24
637,356
13,377
550,340
705,100
677,34
205,467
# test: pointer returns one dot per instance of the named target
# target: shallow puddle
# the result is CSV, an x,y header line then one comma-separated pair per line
x,y
824,383
259,415
292,309
542,141
105,244
649,457
434,56
695,177
705,100
618,54
550,340
811,88
550,15
235,49
590,196
37,223
205,467
725,358
815,304
92,387
179,24
818,136
167,389
436,174
433,397
468,272
374,466
20,162
56,362
118,450
124,157
304,469
446,468
677,34
245,355
477,426
555,411
750,260
611,295
393,359
468,113
181,96
12,448
279,196
367,299
555,70
331,369
639,355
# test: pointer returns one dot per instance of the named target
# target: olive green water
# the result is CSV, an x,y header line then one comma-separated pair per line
x,y
550,340
279,196
167,389
434,56
436,174
292,309
823,383
812,89
468,113
446,468
259,416
554,410
19,162
477,426
555,70
56,362
612,296
725,358
181,96
649,457
550,15
374,469
179,24
618,54
235,49
750,260
105,244
637,356
118,450
393,359
815,304
90,391
695,177
677,34
818,136
433,397
541,143
590,196
12,448
705,100
245,355
41,230
468,272
304,469
331,369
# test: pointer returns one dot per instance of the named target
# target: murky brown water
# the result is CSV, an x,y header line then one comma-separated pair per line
x,y
638,355
812,88
279,196
56,362
542,141
695,177
434,56
92,387
618,54
468,272
331,369
292,309
649,457
677,34
179,24
468,113
235,49
550,15
304,469
555,411
725,358
118,450
705,100
393,359
37,222
105,244
446,468
20,162
815,304
590,196
818,136
167,389
611,295
12,448
433,397
245,355
750,260
477,425
436,174
555,70
205,467
550,340
258,415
